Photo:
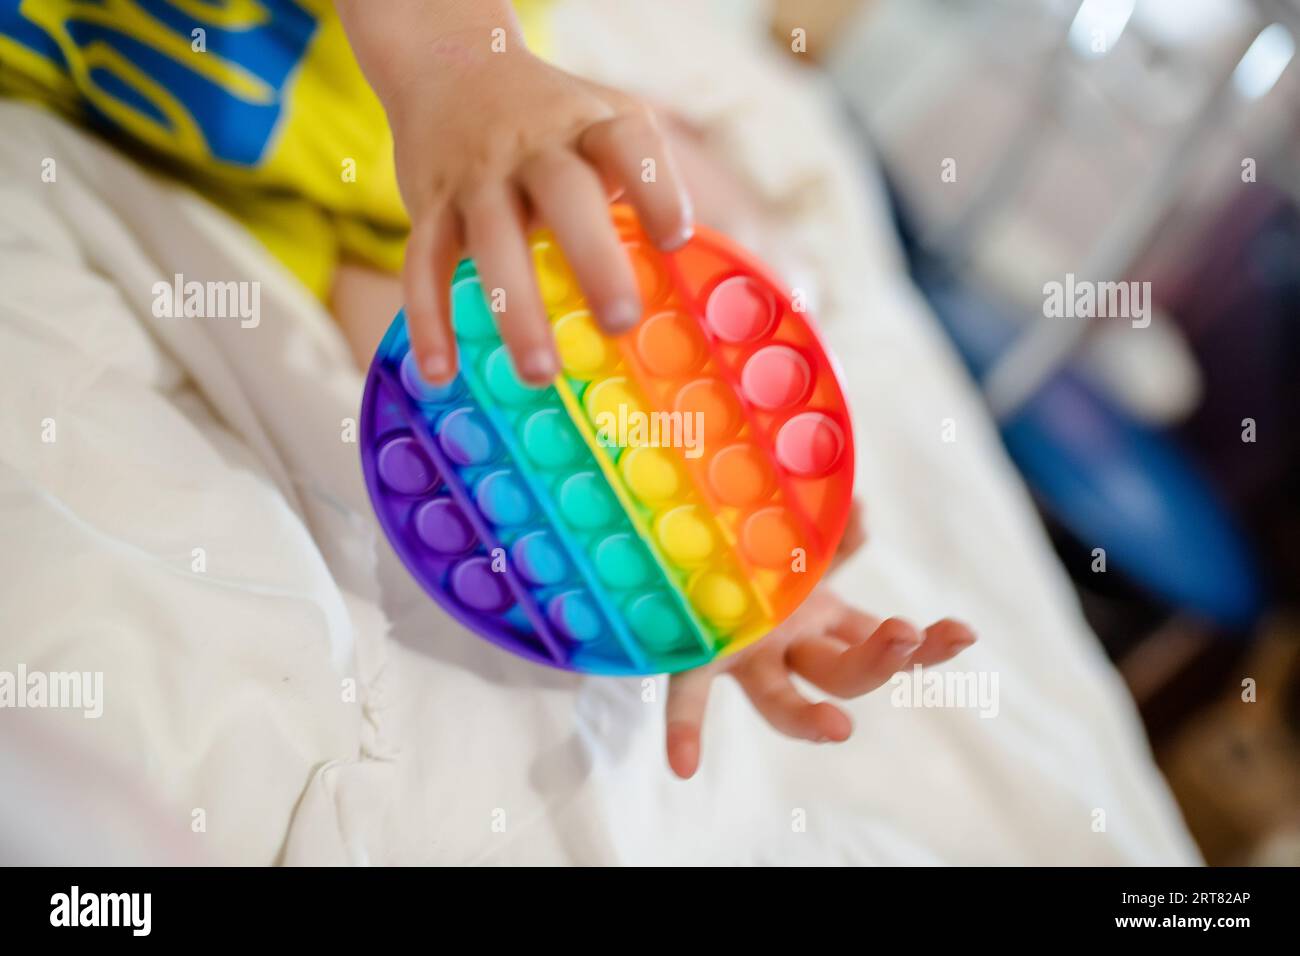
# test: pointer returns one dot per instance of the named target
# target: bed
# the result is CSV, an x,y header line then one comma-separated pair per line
x,y
276,690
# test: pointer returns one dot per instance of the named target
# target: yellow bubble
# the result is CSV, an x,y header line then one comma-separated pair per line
x,y
554,279
613,401
720,597
584,349
651,473
685,536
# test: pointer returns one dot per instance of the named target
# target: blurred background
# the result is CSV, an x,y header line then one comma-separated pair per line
x,y
1030,143
1155,141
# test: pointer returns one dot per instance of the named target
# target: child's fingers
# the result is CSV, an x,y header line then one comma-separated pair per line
x,y
943,640
629,149
571,200
427,269
824,613
852,626
688,698
860,668
766,682
494,235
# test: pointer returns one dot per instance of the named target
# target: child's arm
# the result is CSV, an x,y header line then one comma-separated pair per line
x,y
488,142
488,139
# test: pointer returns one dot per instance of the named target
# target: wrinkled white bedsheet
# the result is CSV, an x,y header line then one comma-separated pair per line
x,y
230,731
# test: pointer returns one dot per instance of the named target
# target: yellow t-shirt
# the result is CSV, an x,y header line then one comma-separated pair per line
x,y
259,104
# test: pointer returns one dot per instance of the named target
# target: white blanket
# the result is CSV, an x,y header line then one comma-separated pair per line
x,y
275,688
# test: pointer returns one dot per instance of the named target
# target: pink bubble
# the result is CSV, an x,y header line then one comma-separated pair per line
x,y
809,444
776,377
740,310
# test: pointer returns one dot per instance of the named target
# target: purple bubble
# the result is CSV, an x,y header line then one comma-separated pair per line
x,y
404,467
423,391
466,437
477,586
442,526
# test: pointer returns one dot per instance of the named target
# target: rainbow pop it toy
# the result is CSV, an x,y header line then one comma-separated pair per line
x,y
672,496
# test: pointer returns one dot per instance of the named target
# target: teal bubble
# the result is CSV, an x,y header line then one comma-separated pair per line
x,y
586,501
505,386
621,561
656,621
551,438
470,316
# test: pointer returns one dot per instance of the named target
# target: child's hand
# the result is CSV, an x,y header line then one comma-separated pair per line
x,y
840,649
488,143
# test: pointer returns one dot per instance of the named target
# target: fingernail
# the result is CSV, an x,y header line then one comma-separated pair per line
x,y
538,365
435,369
688,757
622,314
678,239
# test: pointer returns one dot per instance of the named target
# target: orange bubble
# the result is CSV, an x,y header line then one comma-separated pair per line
x,y
650,278
670,344
717,404
770,537
740,475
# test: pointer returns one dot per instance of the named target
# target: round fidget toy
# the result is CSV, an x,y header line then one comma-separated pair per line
x,y
674,494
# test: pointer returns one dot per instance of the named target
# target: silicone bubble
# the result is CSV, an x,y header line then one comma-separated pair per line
x,y
670,497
